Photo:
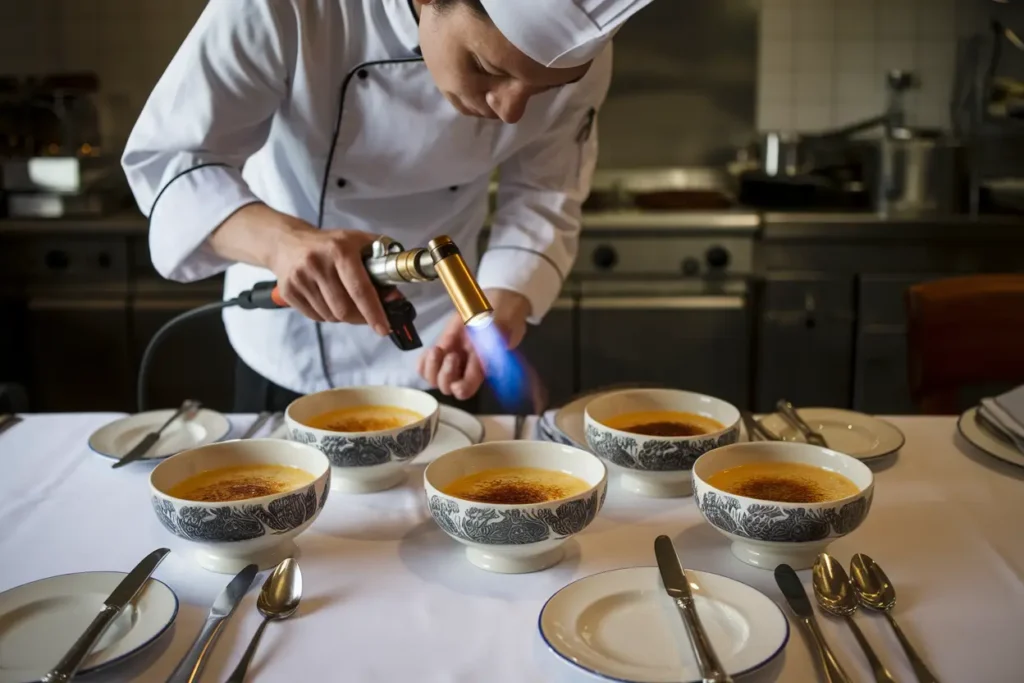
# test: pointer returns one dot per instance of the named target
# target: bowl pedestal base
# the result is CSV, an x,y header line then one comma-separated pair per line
x,y
232,564
660,485
350,480
769,556
501,563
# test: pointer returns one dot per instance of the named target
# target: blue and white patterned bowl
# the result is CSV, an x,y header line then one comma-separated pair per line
x,y
769,533
657,466
514,539
228,536
363,462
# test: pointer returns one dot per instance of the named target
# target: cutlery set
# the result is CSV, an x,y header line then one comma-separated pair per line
x,y
279,599
839,595
756,431
184,414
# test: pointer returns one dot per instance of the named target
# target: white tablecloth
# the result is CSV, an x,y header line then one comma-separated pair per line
x,y
390,598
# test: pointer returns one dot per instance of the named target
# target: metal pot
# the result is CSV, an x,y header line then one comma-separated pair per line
x,y
917,172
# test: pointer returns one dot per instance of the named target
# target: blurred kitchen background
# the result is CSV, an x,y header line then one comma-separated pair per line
x,y
773,175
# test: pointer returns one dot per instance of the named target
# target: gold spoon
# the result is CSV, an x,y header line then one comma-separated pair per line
x,y
279,598
835,595
875,591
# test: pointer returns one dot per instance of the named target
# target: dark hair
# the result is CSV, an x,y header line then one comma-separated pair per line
x,y
475,5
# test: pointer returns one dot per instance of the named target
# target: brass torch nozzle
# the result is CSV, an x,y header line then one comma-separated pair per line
x,y
470,301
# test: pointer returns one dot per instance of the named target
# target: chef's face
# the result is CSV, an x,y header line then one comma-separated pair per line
x,y
478,69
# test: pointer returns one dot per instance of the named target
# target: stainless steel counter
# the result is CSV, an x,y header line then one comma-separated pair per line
x,y
772,226
127,223
870,227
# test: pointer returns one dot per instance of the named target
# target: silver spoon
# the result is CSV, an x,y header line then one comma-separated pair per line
x,y
279,598
835,595
875,591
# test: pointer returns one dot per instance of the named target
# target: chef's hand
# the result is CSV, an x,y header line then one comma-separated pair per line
x,y
320,273
452,365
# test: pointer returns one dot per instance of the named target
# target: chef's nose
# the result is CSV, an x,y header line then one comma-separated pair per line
x,y
509,101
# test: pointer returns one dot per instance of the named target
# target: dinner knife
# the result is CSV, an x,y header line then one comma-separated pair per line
x,y
188,409
125,592
191,665
796,596
678,588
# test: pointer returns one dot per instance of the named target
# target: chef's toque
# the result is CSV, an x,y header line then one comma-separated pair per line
x,y
561,33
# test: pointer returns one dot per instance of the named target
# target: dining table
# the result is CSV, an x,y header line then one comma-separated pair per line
x,y
389,598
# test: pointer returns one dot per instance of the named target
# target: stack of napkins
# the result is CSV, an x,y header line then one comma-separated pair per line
x,y
1006,413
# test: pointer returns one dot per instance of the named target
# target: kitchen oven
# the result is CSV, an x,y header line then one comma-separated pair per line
x,y
654,297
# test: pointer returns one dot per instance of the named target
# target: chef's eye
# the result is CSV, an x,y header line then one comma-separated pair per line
x,y
478,65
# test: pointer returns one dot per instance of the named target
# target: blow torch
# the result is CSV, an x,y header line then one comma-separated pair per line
x,y
389,264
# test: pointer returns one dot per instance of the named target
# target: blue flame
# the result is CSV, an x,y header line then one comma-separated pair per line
x,y
506,371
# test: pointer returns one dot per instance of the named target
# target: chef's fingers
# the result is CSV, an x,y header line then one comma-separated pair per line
x,y
297,295
432,360
451,371
357,281
471,380
339,304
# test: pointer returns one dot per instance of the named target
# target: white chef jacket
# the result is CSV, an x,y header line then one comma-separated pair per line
x,y
324,110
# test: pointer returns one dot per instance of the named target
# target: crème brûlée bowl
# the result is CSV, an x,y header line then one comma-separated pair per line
x,y
519,537
767,533
651,465
364,461
227,536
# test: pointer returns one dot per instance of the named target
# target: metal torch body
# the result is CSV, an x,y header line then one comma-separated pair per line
x,y
389,265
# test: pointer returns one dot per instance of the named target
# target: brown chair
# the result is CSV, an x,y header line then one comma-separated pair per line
x,y
964,332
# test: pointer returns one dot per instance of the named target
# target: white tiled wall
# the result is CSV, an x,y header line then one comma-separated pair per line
x,y
823,62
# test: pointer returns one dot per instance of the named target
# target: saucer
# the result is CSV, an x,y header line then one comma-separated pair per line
x,y
862,436
622,626
568,423
981,437
39,622
116,439
464,422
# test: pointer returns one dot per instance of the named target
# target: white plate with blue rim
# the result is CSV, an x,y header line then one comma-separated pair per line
x,y
116,439
40,621
861,436
620,625
565,425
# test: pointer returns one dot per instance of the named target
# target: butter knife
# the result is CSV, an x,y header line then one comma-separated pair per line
x,y
191,665
125,592
678,588
256,426
188,409
796,596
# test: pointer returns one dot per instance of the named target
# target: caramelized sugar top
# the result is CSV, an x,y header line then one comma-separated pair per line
x,y
240,483
364,419
516,486
783,482
664,423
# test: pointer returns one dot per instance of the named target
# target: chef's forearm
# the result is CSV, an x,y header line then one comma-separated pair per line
x,y
255,234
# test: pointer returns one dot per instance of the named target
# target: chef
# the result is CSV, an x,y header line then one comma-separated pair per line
x,y
287,135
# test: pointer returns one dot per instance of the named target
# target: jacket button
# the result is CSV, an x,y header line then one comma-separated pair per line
x,y
363,73
453,188
341,182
